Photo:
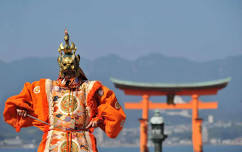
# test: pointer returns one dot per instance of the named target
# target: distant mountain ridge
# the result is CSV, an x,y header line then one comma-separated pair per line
x,y
149,68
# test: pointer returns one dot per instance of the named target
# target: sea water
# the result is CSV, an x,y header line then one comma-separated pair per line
x,y
136,149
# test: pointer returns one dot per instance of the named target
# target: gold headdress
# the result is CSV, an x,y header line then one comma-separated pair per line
x,y
67,49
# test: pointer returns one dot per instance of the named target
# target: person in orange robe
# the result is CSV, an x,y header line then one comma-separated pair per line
x,y
67,109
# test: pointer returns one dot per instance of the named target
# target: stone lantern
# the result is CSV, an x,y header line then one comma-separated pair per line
x,y
157,131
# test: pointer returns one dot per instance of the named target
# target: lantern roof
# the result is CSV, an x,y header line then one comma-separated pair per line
x,y
156,119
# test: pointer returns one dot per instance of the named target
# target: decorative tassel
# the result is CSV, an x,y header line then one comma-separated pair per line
x,y
18,126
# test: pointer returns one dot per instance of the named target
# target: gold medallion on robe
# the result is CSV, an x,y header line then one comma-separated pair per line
x,y
69,104
117,105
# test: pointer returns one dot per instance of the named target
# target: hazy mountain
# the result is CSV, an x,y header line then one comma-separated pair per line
x,y
149,68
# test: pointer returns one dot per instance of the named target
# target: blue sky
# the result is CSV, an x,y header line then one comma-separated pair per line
x,y
197,30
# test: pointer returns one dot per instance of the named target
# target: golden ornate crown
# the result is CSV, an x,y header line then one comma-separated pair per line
x,y
67,49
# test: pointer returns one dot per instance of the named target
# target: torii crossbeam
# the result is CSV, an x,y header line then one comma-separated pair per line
x,y
170,90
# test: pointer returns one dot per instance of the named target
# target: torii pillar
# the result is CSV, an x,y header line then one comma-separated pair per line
x,y
170,90
144,124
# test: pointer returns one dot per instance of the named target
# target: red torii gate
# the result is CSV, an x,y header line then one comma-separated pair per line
x,y
170,90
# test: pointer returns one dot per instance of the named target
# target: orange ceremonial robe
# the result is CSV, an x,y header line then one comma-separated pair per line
x,y
48,102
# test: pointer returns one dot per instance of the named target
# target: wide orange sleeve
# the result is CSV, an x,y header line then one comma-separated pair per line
x,y
110,111
22,101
